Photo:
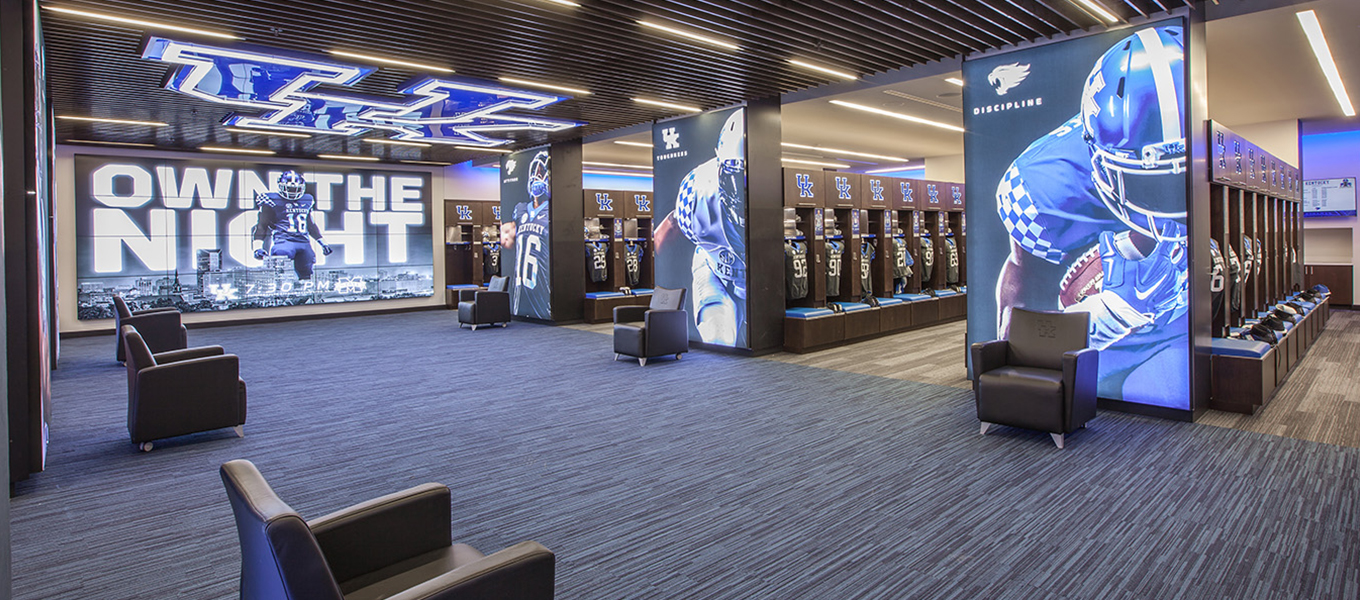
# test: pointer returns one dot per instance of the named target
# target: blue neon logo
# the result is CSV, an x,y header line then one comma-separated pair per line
x,y
606,203
643,204
464,212
843,188
282,90
876,187
804,185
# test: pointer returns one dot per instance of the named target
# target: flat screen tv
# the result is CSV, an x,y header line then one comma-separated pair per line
x,y
1329,197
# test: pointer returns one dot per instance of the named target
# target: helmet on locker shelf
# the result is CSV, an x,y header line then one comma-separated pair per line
x,y
1133,118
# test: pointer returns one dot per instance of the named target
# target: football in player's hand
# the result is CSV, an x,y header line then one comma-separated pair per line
x,y
1082,279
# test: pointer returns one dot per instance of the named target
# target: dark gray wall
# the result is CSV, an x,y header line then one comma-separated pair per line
x,y
568,233
765,226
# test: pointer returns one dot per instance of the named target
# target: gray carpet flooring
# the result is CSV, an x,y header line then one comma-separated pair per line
x,y
714,477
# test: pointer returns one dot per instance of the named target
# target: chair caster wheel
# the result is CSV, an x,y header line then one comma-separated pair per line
x,y
677,357
145,446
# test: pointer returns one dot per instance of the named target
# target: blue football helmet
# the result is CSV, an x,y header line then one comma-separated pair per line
x,y
731,155
538,175
1133,117
291,185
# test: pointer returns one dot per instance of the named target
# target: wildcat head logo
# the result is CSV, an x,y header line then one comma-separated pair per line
x,y
1005,77
510,165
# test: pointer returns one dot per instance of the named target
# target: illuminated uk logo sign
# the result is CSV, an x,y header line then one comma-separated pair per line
x,y
643,204
876,187
284,91
843,188
606,203
906,191
804,185
934,193
464,212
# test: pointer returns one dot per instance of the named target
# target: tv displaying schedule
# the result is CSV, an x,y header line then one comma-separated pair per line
x,y
1329,197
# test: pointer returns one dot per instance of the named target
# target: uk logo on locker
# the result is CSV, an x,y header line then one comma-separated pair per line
x,y
934,193
804,185
906,191
464,212
643,204
606,203
957,195
843,188
496,211
876,187
299,92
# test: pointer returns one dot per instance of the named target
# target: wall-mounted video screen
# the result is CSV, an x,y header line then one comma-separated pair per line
x,y
215,235
1329,197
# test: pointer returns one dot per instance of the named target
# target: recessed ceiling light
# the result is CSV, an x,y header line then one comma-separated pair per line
x,y
841,74
1309,21
427,162
954,80
107,143
266,132
637,144
618,173
692,36
892,170
668,105
137,22
1100,11
480,149
843,152
113,121
396,142
621,166
888,113
546,86
799,161
347,157
391,61
565,3
236,150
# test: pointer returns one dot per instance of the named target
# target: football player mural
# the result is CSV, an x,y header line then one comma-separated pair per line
x,y
706,206
526,234
285,222
1095,210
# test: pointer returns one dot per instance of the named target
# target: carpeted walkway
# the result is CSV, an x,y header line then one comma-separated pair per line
x,y
715,477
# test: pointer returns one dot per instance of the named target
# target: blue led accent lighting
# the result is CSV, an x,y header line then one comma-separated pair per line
x,y
282,89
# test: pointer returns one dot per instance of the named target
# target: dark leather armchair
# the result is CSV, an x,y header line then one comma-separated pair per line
x,y
397,547
1041,377
160,327
181,391
659,329
485,307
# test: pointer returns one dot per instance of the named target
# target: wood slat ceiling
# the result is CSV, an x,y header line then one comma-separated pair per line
x,y
94,67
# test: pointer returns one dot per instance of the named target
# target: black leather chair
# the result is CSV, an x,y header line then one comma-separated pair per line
x,y
659,329
160,327
485,307
1042,376
181,391
398,546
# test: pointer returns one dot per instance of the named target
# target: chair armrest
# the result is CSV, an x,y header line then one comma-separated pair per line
x,y
629,314
384,531
467,295
988,356
154,320
172,356
147,311
667,331
524,571
1081,373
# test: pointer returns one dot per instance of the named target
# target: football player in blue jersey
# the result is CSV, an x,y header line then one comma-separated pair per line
x,y
527,234
285,222
1107,187
710,211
